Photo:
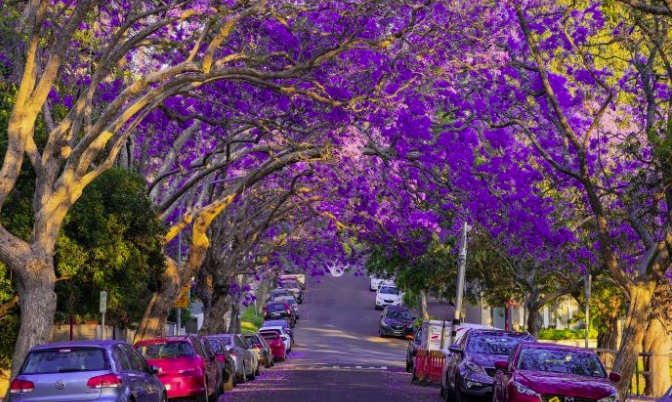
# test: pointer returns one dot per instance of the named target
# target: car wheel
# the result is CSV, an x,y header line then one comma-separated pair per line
x,y
230,382
256,373
164,398
457,394
414,376
269,362
252,376
380,332
409,367
243,378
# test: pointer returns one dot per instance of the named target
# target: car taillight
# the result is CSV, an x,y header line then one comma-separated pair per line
x,y
21,386
104,381
233,354
288,312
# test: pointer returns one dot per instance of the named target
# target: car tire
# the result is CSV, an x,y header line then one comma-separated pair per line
x,y
252,376
230,383
243,378
414,376
457,393
409,367
269,362
164,398
256,373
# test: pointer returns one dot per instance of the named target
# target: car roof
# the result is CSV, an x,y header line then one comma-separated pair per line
x,y
79,344
391,307
554,346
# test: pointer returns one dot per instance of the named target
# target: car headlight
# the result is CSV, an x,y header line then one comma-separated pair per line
x,y
610,398
474,367
522,389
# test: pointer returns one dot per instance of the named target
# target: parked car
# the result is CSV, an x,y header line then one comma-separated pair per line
x,y
562,373
470,368
388,295
378,282
293,304
280,309
280,330
247,366
301,278
275,293
293,285
396,321
276,343
186,368
261,349
83,370
281,322
228,365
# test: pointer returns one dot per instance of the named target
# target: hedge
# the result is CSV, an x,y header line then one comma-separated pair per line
x,y
558,334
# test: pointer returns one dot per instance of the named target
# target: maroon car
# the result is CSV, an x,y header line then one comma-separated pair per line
x,y
187,366
553,373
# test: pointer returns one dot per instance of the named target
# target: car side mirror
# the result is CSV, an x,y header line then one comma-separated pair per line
x,y
614,377
154,370
456,348
501,365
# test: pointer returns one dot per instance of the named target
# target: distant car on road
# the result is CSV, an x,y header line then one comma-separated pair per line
x,y
277,344
376,283
86,370
280,309
186,368
388,295
396,321
292,284
550,372
292,303
470,368
281,331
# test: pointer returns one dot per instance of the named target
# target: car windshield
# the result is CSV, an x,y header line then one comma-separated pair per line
x,y
64,360
584,363
398,314
493,344
389,290
167,350
272,308
216,346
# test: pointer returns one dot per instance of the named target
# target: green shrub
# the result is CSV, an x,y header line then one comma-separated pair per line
x,y
560,334
250,321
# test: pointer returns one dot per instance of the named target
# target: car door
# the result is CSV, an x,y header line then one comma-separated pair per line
x,y
242,347
146,386
455,359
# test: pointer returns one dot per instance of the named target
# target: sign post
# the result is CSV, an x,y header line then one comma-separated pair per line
x,y
103,310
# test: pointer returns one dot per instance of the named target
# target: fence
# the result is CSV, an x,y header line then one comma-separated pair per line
x,y
76,332
640,375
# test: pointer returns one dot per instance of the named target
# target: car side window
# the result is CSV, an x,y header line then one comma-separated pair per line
x,y
199,348
120,356
418,337
239,343
137,361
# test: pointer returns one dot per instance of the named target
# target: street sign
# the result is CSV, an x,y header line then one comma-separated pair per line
x,y
183,300
103,301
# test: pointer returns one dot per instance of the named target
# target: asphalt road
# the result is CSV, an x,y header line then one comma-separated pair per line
x,y
338,355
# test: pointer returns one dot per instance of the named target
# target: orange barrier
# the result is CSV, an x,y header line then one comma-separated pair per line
x,y
428,366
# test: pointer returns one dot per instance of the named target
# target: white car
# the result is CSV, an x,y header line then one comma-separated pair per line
x,y
283,334
388,295
378,282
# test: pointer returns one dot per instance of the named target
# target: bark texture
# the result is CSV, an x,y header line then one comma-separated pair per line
x,y
640,295
656,349
607,339
213,320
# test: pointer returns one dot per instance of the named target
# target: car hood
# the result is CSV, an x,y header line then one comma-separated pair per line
x,y
396,321
566,384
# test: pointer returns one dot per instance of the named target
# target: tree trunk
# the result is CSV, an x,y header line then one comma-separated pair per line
x,y
422,305
533,308
153,324
657,345
640,295
37,301
234,325
213,321
608,337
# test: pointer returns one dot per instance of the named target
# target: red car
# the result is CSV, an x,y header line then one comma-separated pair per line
x,y
548,372
186,364
277,344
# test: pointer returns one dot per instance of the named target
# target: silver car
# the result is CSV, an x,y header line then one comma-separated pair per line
x,y
106,371
247,365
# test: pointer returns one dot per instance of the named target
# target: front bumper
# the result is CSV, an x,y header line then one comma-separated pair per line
x,y
476,384
387,302
392,331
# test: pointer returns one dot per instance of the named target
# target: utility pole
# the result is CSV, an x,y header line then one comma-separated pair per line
x,y
588,291
179,270
461,267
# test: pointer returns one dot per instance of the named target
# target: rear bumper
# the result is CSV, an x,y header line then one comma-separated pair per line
x,y
178,386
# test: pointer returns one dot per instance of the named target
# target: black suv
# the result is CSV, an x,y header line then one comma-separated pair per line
x,y
396,321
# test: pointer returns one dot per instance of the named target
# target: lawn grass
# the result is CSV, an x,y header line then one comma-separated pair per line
x,y
250,321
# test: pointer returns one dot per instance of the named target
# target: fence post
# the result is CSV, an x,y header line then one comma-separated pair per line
x,y
637,376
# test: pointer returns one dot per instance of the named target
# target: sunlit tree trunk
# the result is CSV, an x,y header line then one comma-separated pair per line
x,y
656,349
640,296
213,321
